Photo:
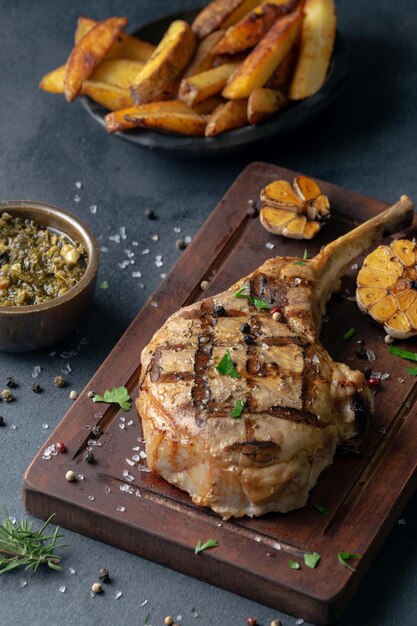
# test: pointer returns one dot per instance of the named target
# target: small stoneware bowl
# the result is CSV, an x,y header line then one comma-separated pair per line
x,y
40,325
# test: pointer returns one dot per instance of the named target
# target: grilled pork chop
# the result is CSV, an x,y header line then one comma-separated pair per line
x,y
296,403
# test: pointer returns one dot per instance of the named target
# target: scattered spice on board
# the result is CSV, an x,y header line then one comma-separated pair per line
x,y
7,395
59,381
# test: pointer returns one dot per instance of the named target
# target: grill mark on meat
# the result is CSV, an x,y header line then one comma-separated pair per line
x,y
194,314
285,341
154,367
262,452
311,372
175,377
200,392
296,415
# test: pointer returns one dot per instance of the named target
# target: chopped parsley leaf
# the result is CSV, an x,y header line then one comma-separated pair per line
x,y
237,409
344,556
226,367
324,510
210,543
311,559
293,564
257,302
349,333
404,354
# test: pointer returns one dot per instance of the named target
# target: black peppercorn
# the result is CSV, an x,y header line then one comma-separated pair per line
x,y
2,420
97,431
36,388
245,329
413,284
150,215
89,457
252,211
104,575
10,382
361,352
220,311
248,340
367,372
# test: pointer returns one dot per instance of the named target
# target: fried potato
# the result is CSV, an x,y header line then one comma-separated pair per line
x,y
110,97
317,41
260,64
264,102
88,53
222,59
166,63
190,124
54,81
203,57
220,12
125,47
207,107
248,32
283,73
226,117
120,72
205,85
117,120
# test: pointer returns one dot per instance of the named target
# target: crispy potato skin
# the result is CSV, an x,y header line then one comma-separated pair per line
x,y
205,85
166,63
120,72
189,124
54,81
110,97
226,117
203,57
260,64
282,75
88,53
263,103
117,120
214,14
124,47
317,41
253,27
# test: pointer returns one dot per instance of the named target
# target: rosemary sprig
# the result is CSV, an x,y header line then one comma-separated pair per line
x,y
21,546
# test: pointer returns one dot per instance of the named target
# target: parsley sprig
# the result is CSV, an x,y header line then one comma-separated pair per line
x,y
237,409
22,546
118,395
343,557
257,302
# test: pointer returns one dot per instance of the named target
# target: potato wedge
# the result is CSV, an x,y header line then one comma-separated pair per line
x,y
264,102
318,34
283,73
207,107
203,57
54,81
166,63
116,120
222,59
120,72
190,124
260,64
226,117
110,97
125,47
248,32
205,85
88,53
219,12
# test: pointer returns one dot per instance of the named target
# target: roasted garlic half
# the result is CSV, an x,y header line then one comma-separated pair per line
x,y
387,287
297,211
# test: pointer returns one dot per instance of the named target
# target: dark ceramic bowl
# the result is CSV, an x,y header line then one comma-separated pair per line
x,y
40,325
242,138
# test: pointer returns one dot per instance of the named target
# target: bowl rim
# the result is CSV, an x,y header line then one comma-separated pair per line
x,y
85,234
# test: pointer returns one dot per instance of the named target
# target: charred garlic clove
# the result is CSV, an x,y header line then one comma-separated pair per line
x,y
387,287
297,211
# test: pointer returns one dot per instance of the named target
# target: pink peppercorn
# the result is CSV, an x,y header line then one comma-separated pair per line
x,y
373,382
61,447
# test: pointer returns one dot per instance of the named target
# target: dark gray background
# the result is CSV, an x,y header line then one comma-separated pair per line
x,y
366,141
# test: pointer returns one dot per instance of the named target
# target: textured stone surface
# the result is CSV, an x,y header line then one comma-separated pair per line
x,y
366,142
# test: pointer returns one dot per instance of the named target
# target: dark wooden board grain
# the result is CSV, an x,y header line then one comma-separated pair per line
x,y
365,492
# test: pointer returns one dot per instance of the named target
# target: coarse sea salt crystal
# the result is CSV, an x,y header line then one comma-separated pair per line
x,y
36,371
126,488
107,490
13,426
137,274
121,509
299,621
104,249
297,281
115,238
118,595
385,376
144,603
135,457
72,570
130,423
122,231
134,243
354,266
91,498
142,454
269,245
23,583
177,229
78,184
136,448
145,251
62,588
154,304
371,355
45,426
66,369
93,209
121,426
77,198
129,253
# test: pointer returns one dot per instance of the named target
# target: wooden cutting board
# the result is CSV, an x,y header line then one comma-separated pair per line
x,y
118,501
